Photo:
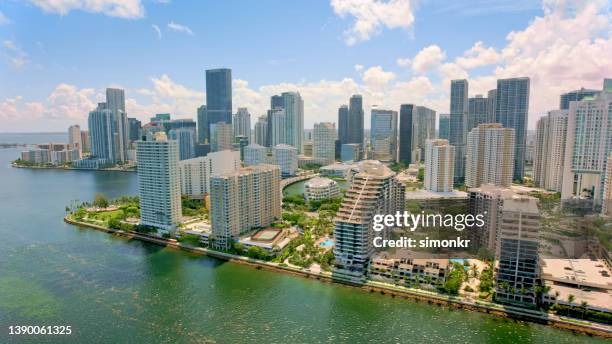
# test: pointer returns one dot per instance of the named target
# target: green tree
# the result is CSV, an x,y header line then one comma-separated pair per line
x,y
100,201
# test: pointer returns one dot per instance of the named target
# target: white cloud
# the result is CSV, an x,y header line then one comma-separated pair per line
x,y
427,59
128,9
157,30
3,19
179,28
377,78
371,16
14,55
358,67
478,55
403,62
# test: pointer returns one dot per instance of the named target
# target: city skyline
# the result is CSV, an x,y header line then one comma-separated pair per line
x,y
416,68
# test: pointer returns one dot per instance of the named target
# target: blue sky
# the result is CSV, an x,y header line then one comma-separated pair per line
x,y
58,56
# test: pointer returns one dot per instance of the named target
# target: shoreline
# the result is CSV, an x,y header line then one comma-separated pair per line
x,y
510,312
71,168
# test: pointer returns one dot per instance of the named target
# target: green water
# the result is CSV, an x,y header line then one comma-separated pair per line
x,y
114,290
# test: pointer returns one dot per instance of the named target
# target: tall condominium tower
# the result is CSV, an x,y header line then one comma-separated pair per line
x,y
286,157
85,141
221,137
115,102
491,95
458,125
383,134
195,173
74,138
573,96
355,120
518,268
159,186
219,95
255,154
243,200
276,127
423,128
323,143
588,145
439,165
102,130
606,206
292,105
242,123
549,150
478,112
135,130
203,128
261,130
405,133
374,190
186,142
490,155
511,107
344,125
444,126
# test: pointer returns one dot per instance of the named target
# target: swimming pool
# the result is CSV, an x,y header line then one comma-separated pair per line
x,y
327,243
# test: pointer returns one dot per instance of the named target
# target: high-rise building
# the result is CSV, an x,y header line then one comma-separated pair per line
x,y
276,126
350,152
85,141
573,96
588,145
195,173
405,133
293,106
606,206
203,128
439,165
323,143
135,130
487,201
490,155
478,111
518,259
444,126
221,137
261,130
344,126
255,154
102,129
511,107
423,129
219,96
383,134
356,121
458,125
242,123
286,157
491,95
159,186
115,102
374,190
74,138
549,150
243,200
186,142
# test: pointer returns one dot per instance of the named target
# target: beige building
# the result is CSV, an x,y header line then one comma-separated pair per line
x,y
317,189
324,143
549,150
195,173
439,165
243,200
490,155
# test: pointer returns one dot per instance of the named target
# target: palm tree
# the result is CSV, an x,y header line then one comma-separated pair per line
x,y
570,299
584,306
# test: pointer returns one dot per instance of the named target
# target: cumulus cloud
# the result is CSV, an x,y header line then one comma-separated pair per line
x,y
127,9
427,59
478,55
371,16
377,78
179,28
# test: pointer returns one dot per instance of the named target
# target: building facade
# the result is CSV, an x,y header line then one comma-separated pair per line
x,y
490,155
439,165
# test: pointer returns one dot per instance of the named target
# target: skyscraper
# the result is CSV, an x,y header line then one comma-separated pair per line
x,y
203,128
383,134
573,96
323,143
74,138
478,112
439,165
219,95
355,120
276,127
159,184
135,129
243,200
458,125
261,130
242,123
221,137
255,154
293,106
549,150
490,155
102,129
115,102
286,157
423,128
491,105
405,133
511,107
186,142
195,173
343,124
374,190
444,126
